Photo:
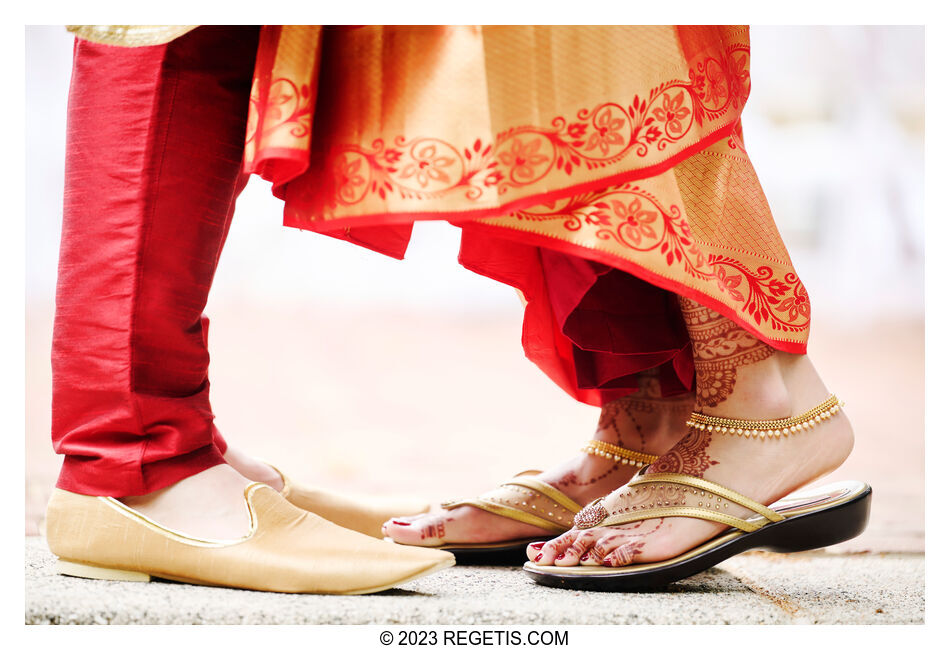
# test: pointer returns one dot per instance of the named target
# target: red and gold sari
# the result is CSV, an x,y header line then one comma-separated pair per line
x,y
599,170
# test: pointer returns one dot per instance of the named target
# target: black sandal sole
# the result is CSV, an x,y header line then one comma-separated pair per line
x,y
797,533
510,555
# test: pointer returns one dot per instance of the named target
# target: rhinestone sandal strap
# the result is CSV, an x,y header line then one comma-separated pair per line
x,y
676,495
510,513
684,511
708,486
527,500
547,490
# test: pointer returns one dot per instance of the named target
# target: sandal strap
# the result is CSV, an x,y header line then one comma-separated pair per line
x,y
547,490
527,500
708,486
596,514
684,511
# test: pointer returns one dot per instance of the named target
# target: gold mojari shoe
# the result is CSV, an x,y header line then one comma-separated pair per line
x,y
285,550
364,515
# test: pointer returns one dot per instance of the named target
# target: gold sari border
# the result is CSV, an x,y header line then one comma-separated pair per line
x,y
327,226
796,345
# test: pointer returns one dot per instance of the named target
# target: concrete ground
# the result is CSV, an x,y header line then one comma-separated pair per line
x,y
751,588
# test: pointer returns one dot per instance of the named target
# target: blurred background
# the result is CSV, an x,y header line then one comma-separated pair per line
x,y
352,370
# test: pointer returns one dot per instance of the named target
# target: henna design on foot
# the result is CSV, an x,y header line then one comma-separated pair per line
x,y
625,554
626,417
720,347
688,456
612,427
599,550
571,480
618,424
436,530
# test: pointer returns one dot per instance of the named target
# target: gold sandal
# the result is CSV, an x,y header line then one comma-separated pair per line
x,y
522,498
804,520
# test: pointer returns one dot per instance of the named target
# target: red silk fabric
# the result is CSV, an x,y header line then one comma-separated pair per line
x,y
154,144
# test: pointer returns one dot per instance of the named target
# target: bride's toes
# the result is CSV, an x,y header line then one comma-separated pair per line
x,y
552,549
604,547
398,523
572,554
623,554
533,549
420,530
587,559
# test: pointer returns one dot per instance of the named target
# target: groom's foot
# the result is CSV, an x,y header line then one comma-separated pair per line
x,y
253,469
649,426
207,505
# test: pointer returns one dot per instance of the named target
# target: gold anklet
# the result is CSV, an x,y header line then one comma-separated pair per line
x,y
621,454
767,428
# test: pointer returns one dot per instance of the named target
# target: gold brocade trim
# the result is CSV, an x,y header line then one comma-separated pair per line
x,y
130,35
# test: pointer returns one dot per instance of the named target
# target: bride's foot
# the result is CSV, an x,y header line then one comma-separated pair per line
x,y
643,424
749,381
209,504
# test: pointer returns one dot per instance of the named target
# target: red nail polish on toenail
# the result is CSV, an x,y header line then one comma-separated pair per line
x,y
536,545
560,556
400,522
539,557
607,561
585,556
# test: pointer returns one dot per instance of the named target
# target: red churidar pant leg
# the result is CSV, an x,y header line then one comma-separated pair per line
x,y
154,145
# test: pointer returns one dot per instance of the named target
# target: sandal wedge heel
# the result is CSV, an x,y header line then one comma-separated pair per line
x,y
802,521
819,529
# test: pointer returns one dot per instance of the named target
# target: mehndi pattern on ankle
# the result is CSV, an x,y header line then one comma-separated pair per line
x,y
620,454
763,429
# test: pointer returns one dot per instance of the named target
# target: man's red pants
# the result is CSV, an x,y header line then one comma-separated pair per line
x,y
153,168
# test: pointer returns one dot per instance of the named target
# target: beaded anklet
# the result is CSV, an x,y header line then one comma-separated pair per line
x,y
620,454
763,429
